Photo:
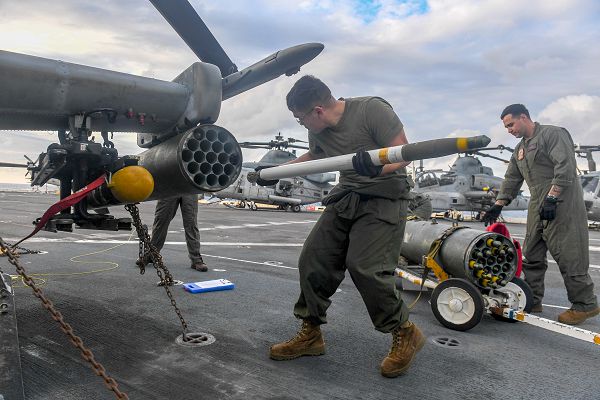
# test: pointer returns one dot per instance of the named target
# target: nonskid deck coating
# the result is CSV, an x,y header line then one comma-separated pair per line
x,y
131,328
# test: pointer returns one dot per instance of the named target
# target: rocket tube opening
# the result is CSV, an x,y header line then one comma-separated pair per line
x,y
193,167
223,180
199,179
211,135
187,155
198,134
211,157
212,180
199,157
229,169
222,136
193,144
205,145
223,158
205,168
217,169
217,147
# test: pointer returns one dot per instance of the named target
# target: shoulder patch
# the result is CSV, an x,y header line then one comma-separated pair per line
x,y
521,154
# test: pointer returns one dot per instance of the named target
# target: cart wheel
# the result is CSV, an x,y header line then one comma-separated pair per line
x,y
457,304
520,294
296,208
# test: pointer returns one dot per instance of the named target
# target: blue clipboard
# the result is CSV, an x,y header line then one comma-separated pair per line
x,y
208,286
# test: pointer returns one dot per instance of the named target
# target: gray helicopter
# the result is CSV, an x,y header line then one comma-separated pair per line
x,y
589,181
467,186
174,120
287,194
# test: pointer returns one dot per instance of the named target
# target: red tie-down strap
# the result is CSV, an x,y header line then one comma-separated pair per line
x,y
64,203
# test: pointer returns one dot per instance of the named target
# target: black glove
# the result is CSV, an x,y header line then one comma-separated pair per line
x,y
364,166
548,208
492,214
264,182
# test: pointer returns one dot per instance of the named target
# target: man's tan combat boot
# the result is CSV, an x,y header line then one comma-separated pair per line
x,y
307,342
574,317
405,344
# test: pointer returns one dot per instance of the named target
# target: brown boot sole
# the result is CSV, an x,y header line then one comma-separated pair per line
x,y
402,370
314,352
582,319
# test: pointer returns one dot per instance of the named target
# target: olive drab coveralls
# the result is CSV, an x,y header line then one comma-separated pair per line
x,y
362,226
544,160
165,212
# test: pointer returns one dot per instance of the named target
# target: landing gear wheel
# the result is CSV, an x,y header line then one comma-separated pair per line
x,y
296,208
457,304
242,204
520,297
253,206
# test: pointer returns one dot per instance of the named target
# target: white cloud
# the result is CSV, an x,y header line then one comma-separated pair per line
x,y
449,70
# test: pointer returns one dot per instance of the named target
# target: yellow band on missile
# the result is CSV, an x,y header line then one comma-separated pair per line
x,y
462,144
383,156
131,184
597,339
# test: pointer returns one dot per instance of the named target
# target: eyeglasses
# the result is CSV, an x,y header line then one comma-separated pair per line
x,y
300,120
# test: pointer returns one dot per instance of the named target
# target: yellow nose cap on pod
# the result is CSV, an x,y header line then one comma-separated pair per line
x,y
131,184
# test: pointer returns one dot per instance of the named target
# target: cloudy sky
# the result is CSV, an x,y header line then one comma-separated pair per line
x,y
448,67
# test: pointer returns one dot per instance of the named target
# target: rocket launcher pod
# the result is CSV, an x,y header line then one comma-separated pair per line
x,y
388,155
203,159
465,253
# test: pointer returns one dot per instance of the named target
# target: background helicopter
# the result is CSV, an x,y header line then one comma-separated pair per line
x,y
467,186
589,181
288,193
173,119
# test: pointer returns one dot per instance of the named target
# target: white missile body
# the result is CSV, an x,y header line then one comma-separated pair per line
x,y
388,155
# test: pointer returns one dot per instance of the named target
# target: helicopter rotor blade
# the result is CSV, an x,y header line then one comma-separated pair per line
x,y
253,146
499,147
490,156
292,140
255,143
194,32
12,165
295,146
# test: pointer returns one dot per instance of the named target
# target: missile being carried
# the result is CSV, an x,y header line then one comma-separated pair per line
x,y
388,155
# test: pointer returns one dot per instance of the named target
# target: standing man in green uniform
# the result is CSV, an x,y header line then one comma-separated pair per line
x,y
163,215
362,226
556,218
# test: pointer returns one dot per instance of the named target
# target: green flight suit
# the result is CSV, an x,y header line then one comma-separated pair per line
x,y
363,223
544,160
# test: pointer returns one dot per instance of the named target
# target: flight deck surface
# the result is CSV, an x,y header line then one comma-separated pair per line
x,y
131,327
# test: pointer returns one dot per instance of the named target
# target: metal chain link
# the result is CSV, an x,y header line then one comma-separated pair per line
x,y
147,249
23,250
65,327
